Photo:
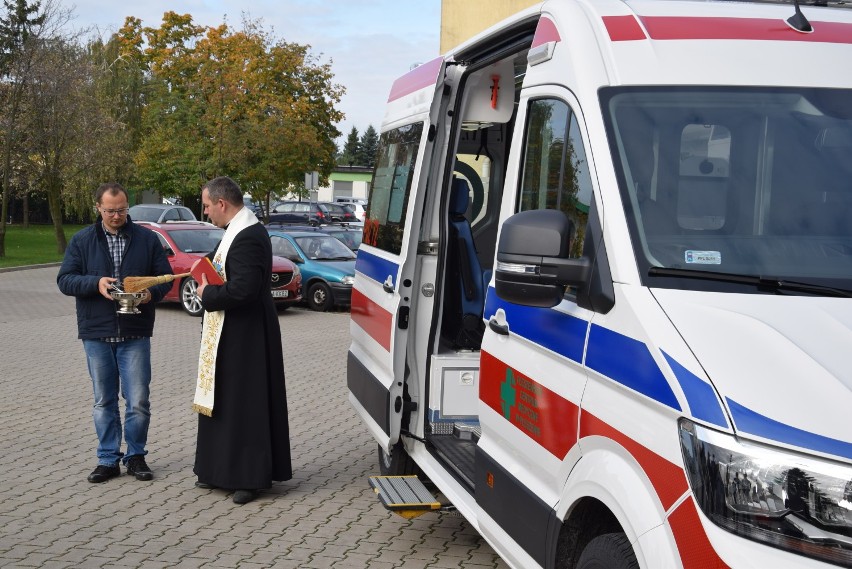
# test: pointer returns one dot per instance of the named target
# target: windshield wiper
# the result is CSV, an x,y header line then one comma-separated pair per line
x,y
772,283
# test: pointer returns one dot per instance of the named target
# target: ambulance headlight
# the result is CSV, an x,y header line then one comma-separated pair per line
x,y
783,499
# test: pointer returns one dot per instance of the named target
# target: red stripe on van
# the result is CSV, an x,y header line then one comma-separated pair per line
x,y
623,28
372,318
668,479
696,551
544,416
545,32
416,79
696,28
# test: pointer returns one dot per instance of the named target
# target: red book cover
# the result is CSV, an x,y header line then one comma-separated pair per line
x,y
205,267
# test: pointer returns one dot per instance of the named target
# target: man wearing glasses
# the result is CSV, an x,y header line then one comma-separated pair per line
x,y
117,346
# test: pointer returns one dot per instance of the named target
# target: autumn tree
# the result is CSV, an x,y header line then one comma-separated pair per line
x,y
236,103
71,140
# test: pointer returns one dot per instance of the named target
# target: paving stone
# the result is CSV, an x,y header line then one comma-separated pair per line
x,y
326,516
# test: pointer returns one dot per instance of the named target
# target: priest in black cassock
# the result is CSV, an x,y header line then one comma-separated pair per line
x,y
243,434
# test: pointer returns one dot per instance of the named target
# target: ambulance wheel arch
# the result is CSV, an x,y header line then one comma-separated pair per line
x,y
623,501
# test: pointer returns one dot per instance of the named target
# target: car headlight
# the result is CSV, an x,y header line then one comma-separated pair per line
x,y
784,499
348,280
296,270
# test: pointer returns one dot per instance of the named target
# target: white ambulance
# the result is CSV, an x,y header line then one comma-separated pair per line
x,y
603,298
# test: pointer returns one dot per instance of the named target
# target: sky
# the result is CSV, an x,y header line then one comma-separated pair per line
x,y
369,43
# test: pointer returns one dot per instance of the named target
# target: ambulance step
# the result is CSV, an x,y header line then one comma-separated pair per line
x,y
404,495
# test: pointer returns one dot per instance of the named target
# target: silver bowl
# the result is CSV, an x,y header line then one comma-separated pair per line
x,y
128,301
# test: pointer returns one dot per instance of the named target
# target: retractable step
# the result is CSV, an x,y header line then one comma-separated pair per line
x,y
404,495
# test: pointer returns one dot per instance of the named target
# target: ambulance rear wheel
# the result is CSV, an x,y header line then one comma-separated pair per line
x,y
608,551
396,462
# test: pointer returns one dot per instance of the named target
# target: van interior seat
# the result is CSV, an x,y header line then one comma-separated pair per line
x,y
463,265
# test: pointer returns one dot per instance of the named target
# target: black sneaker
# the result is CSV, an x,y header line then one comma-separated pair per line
x,y
103,473
137,467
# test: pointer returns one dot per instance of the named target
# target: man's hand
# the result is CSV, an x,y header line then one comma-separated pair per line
x,y
104,286
200,290
147,297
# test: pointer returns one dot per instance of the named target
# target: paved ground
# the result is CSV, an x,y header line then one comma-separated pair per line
x,y
325,517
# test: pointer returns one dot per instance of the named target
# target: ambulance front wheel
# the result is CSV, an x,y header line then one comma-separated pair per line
x,y
396,462
608,551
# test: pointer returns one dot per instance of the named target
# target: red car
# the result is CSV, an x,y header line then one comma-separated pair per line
x,y
186,241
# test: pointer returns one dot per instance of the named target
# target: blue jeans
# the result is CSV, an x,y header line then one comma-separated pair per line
x,y
125,365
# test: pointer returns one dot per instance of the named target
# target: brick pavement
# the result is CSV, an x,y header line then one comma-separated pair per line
x,y
325,517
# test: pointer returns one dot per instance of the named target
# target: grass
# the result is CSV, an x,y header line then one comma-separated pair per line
x,y
33,245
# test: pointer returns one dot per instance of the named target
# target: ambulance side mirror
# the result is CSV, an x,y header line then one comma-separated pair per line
x,y
533,259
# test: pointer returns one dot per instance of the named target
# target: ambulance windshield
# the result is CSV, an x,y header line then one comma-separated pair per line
x,y
742,181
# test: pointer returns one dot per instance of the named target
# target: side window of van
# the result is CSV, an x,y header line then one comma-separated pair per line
x,y
556,173
391,187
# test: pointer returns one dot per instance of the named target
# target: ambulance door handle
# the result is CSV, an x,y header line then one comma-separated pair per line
x,y
388,285
502,329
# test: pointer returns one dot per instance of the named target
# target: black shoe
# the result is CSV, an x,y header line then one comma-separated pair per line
x,y
244,496
204,485
103,473
137,467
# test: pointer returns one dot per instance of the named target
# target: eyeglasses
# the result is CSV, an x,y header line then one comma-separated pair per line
x,y
111,212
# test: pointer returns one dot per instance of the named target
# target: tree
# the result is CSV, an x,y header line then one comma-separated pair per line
x,y
351,148
19,30
368,147
70,137
236,103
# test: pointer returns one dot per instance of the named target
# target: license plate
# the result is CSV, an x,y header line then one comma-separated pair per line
x,y
280,293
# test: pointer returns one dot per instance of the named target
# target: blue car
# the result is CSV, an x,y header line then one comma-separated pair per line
x,y
327,266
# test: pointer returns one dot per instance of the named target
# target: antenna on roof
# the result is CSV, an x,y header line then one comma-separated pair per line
x,y
798,21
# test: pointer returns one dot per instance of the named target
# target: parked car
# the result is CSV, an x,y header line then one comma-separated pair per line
x,y
327,265
253,206
184,242
358,210
160,213
340,213
299,212
350,199
349,235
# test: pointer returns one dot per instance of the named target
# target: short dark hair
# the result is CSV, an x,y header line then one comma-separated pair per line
x,y
224,188
114,188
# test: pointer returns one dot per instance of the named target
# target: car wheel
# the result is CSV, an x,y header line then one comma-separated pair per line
x,y
608,551
189,297
319,297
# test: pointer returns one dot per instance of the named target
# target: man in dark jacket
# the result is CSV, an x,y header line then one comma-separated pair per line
x,y
118,346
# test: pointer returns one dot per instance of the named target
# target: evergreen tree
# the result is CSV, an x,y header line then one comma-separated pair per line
x,y
351,149
368,148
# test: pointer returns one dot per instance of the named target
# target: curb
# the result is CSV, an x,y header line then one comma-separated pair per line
x,y
27,267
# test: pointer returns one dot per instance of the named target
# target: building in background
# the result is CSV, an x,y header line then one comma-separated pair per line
x,y
463,19
346,181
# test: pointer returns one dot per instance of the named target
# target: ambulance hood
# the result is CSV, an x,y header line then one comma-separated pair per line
x,y
782,364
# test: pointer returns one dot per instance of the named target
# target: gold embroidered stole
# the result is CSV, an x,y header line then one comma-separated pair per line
x,y
214,321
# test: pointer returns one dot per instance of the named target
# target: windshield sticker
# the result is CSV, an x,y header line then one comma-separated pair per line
x,y
703,257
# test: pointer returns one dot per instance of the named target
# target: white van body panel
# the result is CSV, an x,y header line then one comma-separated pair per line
x,y
584,414
799,344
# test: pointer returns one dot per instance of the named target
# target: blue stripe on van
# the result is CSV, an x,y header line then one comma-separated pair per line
x,y
551,329
630,363
620,358
375,267
700,395
748,421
